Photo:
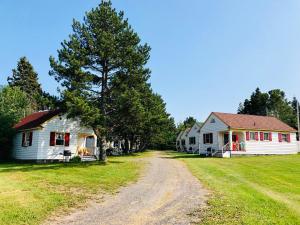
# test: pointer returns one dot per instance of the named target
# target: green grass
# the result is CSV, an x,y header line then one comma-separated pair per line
x,y
249,190
29,193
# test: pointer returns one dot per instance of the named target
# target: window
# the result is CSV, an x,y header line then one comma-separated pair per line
x,y
26,139
266,136
212,120
284,137
192,140
208,138
182,142
252,136
59,138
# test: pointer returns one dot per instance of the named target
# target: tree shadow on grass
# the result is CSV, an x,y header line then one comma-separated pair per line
x,y
28,167
180,155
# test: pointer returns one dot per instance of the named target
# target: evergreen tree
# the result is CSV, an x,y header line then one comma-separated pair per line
x,y
139,115
26,79
272,103
256,105
187,123
100,49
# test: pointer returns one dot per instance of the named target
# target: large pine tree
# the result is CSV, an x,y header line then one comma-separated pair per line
x,y
99,49
272,103
26,79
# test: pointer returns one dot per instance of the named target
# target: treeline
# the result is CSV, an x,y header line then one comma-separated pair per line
x,y
187,123
103,78
22,96
271,103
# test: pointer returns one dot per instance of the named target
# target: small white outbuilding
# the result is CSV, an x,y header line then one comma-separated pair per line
x,y
51,136
193,137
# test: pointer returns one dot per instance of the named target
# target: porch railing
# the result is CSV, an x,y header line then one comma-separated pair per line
x,y
236,146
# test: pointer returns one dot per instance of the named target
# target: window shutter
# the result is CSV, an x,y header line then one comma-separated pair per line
x,y
289,137
23,139
204,141
270,136
67,139
279,137
52,138
30,138
261,136
256,136
247,136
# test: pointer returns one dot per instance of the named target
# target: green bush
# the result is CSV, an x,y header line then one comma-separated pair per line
x,y
75,159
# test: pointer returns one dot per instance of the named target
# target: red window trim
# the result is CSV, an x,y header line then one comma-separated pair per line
x,y
53,139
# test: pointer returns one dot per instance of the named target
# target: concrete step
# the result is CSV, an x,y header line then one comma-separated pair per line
x,y
88,158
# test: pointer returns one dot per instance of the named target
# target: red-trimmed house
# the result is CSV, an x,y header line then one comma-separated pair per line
x,y
51,136
226,134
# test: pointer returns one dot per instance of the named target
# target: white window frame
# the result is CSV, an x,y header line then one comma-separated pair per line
x,y
208,138
250,136
26,139
193,142
284,137
268,135
63,138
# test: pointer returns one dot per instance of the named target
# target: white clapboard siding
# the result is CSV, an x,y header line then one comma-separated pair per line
x,y
194,132
271,147
184,137
178,141
212,127
41,149
26,153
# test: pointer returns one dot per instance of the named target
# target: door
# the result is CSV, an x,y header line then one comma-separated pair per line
x,y
235,142
226,138
235,138
90,144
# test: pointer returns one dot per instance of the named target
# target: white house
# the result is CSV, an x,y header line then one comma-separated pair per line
x,y
184,140
237,134
50,135
178,141
193,135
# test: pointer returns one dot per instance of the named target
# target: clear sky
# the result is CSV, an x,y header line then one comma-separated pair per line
x,y
207,55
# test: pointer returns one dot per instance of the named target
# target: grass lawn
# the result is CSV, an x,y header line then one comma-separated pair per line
x,y
249,190
29,192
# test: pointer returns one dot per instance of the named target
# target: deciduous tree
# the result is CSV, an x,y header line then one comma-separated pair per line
x,y
14,105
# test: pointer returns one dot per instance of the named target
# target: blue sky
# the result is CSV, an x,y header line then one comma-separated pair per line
x,y
206,55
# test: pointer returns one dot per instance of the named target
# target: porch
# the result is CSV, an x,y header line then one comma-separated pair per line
x,y
230,143
87,147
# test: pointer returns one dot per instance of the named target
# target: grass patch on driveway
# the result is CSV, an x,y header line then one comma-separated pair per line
x,y
249,190
31,192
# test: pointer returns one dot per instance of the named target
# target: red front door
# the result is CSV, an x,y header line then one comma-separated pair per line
x,y
235,142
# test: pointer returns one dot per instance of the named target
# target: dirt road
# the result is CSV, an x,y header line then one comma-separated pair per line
x,y
167,193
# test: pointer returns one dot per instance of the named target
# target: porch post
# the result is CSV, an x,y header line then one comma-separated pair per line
x,y
230,140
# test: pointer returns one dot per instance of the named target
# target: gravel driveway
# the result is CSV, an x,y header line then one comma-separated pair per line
x,y
167,193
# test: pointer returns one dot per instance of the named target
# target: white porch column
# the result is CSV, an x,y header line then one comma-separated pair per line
x,y
230,140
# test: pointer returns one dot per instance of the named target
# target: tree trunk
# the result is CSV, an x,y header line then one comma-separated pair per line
x,y
100,144
126,150
100,137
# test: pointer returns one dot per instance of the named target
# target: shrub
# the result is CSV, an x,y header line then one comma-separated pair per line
x,y
75,159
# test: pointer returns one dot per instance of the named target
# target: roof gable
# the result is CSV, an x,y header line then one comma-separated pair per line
x,y
180,134
253,122
34,120
197,126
